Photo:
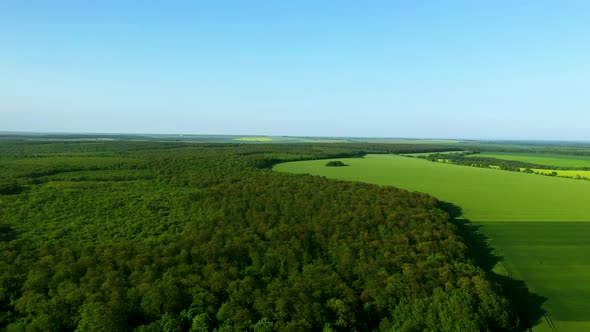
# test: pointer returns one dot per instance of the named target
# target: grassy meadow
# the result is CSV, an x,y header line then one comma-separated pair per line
x,y
536,223
552,258
569,173
483,194
548,159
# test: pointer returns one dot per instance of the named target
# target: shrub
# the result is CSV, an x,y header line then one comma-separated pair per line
x,y
335,163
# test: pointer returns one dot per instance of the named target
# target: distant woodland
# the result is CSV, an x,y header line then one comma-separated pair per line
x,y
145,236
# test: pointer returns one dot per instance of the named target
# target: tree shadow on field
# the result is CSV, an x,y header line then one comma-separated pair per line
x,y
527,305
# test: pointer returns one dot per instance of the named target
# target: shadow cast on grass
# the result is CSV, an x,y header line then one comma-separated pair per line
x,y
527,305
7,234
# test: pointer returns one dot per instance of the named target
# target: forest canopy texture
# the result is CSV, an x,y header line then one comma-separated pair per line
x,y
145,236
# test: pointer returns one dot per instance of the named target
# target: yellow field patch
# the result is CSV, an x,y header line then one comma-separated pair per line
x,y
576,174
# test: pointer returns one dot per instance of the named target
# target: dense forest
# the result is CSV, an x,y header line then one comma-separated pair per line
x,y
145,236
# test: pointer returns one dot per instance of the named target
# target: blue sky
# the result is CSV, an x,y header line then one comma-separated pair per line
x,y
438,69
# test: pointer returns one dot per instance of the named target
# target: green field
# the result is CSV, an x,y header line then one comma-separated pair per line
x,y
565,173
552,258
557,160
536,223
484,194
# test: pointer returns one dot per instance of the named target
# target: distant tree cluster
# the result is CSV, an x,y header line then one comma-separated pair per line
x,y
335,163
132,236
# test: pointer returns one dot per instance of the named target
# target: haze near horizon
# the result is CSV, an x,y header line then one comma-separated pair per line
x,y
452,69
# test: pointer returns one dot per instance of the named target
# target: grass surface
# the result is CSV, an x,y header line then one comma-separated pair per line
x,y
538,224
552,257
483,194
565,173
557,160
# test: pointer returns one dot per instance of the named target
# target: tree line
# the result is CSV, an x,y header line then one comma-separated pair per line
x,y
474,160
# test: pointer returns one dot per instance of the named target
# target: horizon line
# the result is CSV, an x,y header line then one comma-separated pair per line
x,y
24,133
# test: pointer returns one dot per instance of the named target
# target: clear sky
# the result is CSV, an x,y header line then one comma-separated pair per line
x,y
439,69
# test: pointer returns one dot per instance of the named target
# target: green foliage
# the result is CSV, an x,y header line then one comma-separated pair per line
x,y
544,159
263,325
200,323
10,187
512,161
113,236
335,163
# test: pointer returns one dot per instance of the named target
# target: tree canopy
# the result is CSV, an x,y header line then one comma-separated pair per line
x,y
335,163
144,236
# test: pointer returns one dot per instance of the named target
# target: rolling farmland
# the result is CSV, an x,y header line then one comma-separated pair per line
x,y
573,173
557,160
536,223
552,258
295,166
483,194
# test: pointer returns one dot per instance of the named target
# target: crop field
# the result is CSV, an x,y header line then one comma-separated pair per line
x,y
536,223
565,173
483,194
552,258
557,160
